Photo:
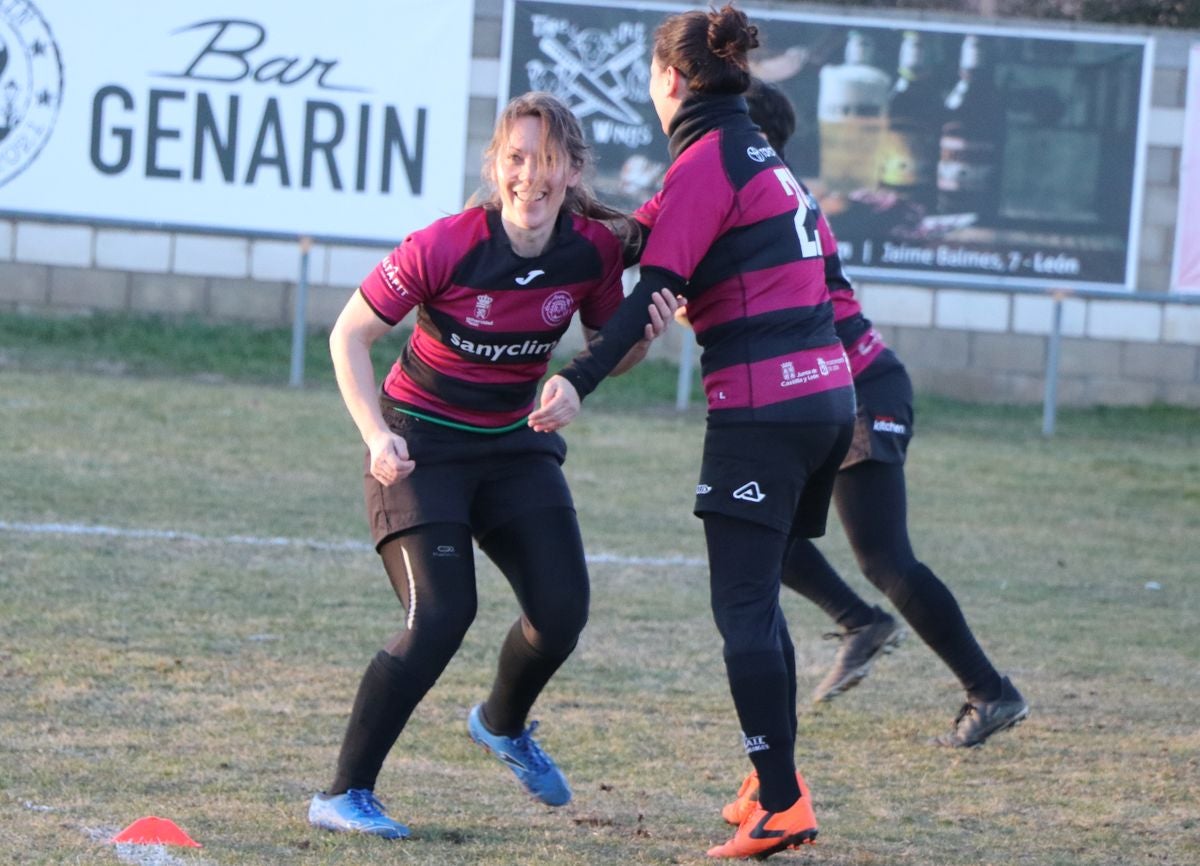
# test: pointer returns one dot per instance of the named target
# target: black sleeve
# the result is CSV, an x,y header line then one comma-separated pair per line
x,y
635,243
623,330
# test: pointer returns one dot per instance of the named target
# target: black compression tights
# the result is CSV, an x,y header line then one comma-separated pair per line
x,y
871,502
744,562
432,570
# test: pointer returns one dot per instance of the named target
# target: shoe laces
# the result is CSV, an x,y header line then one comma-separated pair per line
x,y
964,711
366,802
845,633
531,753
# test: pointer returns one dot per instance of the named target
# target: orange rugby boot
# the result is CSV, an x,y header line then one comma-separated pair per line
x,y
743,804
764,833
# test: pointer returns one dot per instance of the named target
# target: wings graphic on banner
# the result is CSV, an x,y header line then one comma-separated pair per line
x,y
594,74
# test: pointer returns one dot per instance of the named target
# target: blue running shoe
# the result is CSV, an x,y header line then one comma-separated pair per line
x,y
356,811
533,767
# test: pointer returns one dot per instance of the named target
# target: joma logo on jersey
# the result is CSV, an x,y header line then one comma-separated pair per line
x,y
496,351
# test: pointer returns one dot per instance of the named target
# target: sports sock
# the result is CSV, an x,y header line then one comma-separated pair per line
x,y
759,686
382,706
521,674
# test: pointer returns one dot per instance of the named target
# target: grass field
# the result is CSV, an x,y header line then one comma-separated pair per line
x,y
187,601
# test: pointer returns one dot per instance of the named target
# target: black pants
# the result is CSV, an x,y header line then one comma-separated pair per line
x,y
432,570
872,504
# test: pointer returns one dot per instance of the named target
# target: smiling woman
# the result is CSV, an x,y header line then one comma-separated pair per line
x,y
450,461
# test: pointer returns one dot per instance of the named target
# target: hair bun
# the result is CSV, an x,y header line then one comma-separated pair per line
x,y
730,34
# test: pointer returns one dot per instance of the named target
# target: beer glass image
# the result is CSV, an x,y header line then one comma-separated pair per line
x,y
850,113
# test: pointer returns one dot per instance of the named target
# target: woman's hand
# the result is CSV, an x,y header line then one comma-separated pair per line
x,y
662,308
389,458
665,306
560,405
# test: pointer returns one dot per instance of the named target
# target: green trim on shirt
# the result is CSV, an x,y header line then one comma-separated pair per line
x,y
458,426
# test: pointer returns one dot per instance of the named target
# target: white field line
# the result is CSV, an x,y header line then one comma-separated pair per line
x,y
310,543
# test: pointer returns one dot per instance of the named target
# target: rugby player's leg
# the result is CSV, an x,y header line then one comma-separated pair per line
x,y
438,592
744,562
872,503
541,555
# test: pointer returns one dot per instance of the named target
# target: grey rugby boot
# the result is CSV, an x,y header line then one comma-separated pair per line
x,y
860,648
978,720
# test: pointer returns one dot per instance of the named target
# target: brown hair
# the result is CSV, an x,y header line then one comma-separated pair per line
x,y
709,48
561,136
772,111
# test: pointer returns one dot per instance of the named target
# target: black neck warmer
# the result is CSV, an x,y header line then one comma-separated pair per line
x,y
701,112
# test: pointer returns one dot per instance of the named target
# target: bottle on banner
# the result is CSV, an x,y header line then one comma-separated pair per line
x,y
851,100
908,148
972,141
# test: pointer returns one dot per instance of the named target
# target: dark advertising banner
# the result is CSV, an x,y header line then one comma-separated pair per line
x,y
939,153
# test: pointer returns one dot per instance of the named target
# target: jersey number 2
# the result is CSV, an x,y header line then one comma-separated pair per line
x,y
806,215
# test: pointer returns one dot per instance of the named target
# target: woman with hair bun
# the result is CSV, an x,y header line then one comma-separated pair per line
x,y
735,234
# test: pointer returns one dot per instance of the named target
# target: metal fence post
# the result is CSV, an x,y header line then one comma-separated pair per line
x,y
1050,401
683,384
300,316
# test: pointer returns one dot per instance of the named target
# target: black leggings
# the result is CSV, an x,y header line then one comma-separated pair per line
x,y
872,504
432,569
744,561
539,553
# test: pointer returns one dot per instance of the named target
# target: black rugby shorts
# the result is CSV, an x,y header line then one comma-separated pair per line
x,y
775,475
883,426
482,480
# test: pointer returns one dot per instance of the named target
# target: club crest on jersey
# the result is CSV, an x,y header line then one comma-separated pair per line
x,y
750,492
483,306
557,308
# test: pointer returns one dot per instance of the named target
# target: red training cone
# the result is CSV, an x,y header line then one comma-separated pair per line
x,y
155,831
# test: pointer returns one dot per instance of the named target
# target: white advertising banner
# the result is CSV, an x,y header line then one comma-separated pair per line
x,y
1187,227
269,117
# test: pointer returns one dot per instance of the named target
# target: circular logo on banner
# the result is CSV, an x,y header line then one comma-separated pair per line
x,y
557,308
31,84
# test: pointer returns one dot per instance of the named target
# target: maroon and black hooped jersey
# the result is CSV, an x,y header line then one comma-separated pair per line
x,y
735,233
488,319
863,344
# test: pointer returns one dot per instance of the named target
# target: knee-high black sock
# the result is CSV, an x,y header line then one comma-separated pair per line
x,y
931,609
521,674
385,700
789,662
759,686
808,572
